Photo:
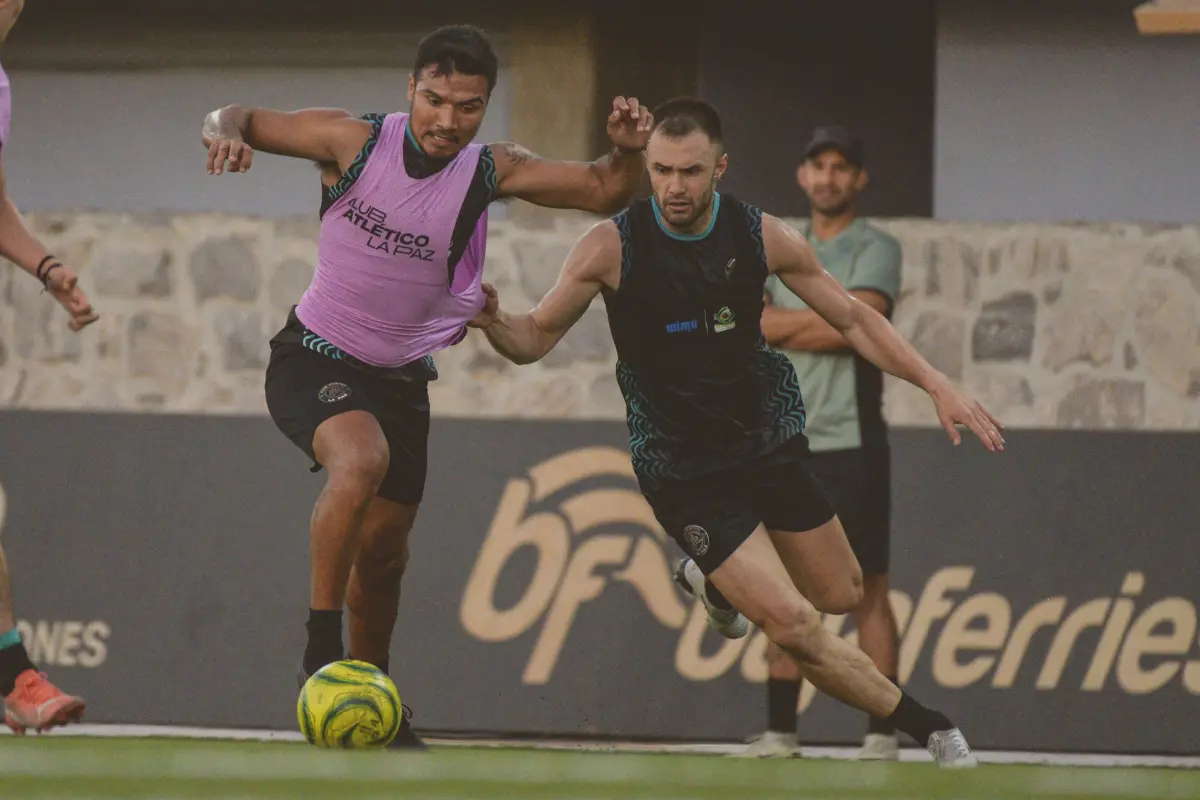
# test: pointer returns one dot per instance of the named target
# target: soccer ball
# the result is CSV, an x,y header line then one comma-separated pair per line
x,y
349,704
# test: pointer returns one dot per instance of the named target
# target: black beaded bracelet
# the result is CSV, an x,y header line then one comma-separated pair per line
x,y
46,275
42,264
43,272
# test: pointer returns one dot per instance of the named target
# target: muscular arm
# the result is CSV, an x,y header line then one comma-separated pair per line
x,y
593,263
323,135
865,329
604,186
806,330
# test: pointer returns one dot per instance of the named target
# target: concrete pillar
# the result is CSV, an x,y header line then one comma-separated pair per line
x,y
553,109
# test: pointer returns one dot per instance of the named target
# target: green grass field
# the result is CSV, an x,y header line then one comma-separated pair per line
x,y
85,768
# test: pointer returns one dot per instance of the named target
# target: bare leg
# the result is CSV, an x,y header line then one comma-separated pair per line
x,y
822,565
354,452
755,581
374,593
878,635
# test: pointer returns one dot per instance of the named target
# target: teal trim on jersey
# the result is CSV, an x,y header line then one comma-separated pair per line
x,y
10,639
487,163
334,193
408,134
688,237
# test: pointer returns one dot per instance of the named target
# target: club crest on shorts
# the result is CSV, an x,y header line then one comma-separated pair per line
x,y
333,392
697,539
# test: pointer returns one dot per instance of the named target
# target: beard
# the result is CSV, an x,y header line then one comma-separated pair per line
x,y
684,218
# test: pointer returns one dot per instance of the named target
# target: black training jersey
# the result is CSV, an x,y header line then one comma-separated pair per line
x,y
703,392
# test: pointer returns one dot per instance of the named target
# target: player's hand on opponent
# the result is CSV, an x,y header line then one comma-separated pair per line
x,y
955,407
629,125
63,284
491,307
227,149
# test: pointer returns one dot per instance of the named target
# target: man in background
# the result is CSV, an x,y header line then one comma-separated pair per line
x,y
843,393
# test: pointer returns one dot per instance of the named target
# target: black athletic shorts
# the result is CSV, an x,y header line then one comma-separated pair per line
x,y
859,485
305,387
710,517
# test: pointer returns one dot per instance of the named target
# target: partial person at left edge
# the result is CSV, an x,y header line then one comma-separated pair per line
x,y
31,701
400,255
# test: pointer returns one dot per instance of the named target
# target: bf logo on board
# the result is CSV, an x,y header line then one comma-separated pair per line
x,y
697,539
333,392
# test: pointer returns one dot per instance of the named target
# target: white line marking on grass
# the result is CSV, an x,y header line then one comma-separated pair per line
x,y
838,753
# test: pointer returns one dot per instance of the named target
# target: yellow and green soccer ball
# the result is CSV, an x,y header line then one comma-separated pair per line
x,y
349,704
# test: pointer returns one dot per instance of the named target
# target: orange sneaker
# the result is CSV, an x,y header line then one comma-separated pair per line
x,y
37,703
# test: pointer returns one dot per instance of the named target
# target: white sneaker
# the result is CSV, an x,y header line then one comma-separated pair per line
x,y
879,747
950,750
730,622
772,744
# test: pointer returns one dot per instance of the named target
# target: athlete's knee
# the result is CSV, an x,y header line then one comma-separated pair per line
x,y
355,456
791,622
842,595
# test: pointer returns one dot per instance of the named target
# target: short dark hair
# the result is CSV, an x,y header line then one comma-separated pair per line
x,y
464,49
678,117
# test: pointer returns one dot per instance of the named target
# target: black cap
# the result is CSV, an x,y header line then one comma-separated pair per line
x,y
835,137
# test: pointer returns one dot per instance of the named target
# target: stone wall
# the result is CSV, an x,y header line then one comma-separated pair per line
x,y
1053,326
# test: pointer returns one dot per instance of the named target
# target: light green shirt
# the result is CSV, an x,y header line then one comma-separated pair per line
x,y
843,393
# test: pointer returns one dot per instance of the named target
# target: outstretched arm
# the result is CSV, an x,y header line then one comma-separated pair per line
x,y
792,259
323,135
20,246
603,186
593,263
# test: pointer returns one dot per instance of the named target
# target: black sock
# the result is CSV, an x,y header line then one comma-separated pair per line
x,y
782,698
13,661
715,597
918,721
324,639
884,726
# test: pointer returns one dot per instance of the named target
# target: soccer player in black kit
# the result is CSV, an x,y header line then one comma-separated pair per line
x,y
716,418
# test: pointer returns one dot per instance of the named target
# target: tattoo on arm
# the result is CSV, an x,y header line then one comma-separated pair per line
x,y
516,154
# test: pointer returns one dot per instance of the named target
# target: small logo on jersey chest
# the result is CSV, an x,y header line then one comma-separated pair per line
x,y
684,326
697,539
723,320
730,267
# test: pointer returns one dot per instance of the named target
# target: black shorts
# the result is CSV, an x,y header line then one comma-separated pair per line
x,y
711,517
304,388
859,485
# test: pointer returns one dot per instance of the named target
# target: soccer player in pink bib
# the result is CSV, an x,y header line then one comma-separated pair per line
x,y
400,257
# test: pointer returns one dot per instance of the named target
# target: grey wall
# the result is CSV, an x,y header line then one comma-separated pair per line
x,y
1058,110
130,141
775,69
